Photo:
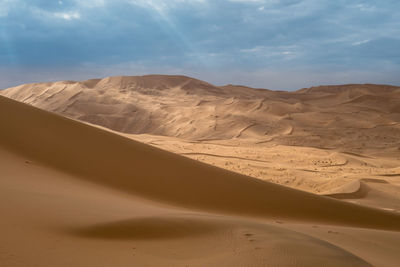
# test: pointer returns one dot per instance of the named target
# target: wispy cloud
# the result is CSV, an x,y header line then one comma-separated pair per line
x,y
202,36
67,15
360,42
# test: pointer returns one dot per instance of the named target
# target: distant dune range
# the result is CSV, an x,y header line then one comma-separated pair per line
x,y
73,194
317,139
345,117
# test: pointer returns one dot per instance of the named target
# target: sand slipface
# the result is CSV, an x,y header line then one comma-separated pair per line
x,y
89,196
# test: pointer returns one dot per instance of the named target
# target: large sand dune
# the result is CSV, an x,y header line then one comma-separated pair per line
x,y
344,117
317,139
109,159
72,194
77,195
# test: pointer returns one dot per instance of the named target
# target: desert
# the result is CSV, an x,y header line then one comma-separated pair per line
x,y
242,177
199,133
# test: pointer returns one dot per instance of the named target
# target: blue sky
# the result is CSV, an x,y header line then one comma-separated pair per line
x,y
276,44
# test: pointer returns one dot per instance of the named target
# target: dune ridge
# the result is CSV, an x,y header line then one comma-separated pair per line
x,y
342,117
316,139
76,195
91,153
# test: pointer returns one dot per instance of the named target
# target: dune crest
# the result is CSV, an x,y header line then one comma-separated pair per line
x,y
342,117
91,153
89,197
316,139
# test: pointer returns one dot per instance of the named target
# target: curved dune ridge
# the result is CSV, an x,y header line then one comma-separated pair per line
x,y
75,195
369,191
112,160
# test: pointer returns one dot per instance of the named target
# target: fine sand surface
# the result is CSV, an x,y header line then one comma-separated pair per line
x,y
373,181
77,195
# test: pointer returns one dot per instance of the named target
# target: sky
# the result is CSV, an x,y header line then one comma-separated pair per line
x,y
275,44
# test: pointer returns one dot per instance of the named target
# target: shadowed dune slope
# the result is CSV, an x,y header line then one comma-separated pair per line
x,y
109,159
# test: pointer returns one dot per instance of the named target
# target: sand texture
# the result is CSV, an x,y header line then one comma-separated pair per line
x,y
73,194
318,139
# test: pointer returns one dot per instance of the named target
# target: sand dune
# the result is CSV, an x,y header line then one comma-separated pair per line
x,y
342,117
321,171
77,195
84,196
112,160
361,120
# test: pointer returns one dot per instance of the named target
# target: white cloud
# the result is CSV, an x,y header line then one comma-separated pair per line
x,y
7,5
286,51
366,7
67,15
46,15
360,42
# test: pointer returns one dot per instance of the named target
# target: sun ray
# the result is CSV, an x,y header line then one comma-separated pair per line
x,y
172,29
7,52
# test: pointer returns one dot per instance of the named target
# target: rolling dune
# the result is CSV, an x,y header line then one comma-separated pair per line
x,y
207,123
77,195
341,117
105,158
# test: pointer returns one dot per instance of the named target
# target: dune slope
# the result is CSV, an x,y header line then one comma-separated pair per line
x,y
354,118
112,160
272,135
75,195
50,218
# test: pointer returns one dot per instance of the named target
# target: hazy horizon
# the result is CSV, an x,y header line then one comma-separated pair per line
x,y
221,84
274,44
